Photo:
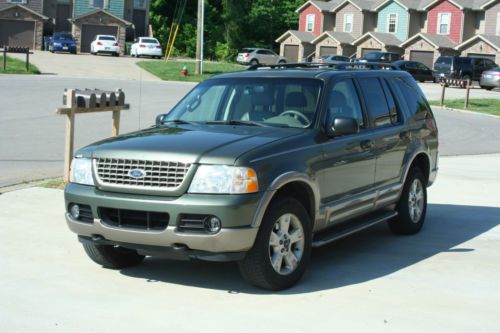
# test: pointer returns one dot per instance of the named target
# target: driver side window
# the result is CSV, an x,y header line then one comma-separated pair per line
x,y
343,101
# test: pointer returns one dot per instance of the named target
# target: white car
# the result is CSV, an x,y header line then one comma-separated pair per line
x,y
105,44
146,46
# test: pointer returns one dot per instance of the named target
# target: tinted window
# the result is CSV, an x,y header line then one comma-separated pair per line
x,y
489,63
410,65
376,102
393,109
63,36
107,38
149,40
443,61
421,66
464,61
373,56
412,97
343,101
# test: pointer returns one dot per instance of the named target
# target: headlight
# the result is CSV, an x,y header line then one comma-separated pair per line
x,y
222,179
81,171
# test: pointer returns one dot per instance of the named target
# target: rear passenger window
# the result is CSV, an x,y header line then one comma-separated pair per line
x,y
411,97
344,102
376,102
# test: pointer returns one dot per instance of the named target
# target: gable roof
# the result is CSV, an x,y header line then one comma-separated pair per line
x,y
359,4
462,4
303,36
324,6
406,4
75,19
437,41
340,37
487,3
494,41
383,38
42,17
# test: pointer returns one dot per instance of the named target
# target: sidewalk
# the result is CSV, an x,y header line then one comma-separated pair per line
x,y
441,280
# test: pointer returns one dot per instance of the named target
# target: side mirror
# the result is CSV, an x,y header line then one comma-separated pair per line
x,y
159,119
339,126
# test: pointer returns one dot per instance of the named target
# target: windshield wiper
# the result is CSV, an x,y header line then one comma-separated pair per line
x,y
178,122
235,123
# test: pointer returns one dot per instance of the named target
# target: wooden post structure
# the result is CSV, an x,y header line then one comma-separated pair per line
x,y
70,132
443,87
467,94
27,60
4,58
72,99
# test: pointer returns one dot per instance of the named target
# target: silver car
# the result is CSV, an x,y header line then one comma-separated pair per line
x,y
490,79
256,56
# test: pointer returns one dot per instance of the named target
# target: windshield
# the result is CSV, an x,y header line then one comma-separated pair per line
x,y
281,102
443,61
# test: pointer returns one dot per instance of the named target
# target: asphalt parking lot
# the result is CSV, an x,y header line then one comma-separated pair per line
x,y
441,280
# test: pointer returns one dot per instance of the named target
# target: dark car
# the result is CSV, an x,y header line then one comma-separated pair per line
x,y
464,68
62,42
259,167
378,56
419,71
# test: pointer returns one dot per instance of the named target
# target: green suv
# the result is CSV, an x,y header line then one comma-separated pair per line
x,y
259,167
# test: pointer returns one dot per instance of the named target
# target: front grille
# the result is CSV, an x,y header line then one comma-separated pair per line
x,y
192,223
133,219
157,174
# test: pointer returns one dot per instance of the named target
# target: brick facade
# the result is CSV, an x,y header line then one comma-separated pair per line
x,y
479,46
421,44
345,50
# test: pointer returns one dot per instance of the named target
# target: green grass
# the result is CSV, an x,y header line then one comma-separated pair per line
x,y
15,66
490,106
57,183
171,71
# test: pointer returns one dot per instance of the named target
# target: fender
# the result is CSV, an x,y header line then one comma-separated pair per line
x,y
278,183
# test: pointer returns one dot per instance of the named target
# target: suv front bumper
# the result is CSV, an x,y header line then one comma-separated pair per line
x,y
236,213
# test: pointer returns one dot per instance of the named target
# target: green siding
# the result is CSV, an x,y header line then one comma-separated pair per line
x,y
83,6
403,17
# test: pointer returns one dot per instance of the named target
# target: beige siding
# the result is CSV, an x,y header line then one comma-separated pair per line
x,y
370,22
24,15
305,49
422,45
469,28
357,26
490,19
369,43
35,5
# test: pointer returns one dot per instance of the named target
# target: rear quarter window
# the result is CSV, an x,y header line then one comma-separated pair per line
x,y
412,97
375,100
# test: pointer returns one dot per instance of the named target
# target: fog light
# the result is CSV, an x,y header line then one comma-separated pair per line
x,y
74,211
213,224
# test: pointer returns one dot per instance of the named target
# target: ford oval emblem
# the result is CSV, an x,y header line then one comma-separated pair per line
x,y
137,173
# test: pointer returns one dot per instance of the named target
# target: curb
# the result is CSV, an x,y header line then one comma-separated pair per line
x,y
23,186
467,111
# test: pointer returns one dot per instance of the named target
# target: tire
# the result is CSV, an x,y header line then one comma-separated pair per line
x,y
281,62
257,268
113,257
254,62
409,220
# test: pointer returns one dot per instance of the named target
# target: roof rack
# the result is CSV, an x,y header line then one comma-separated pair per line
x,y
338,66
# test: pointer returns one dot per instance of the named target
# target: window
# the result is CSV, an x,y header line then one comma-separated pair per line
x,y
344,102
392,23
348,18
97,4
444,23
412,97
310,22
140,4
18,1
376,101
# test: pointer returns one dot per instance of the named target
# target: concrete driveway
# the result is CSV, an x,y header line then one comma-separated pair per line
x,y
88,66
444,279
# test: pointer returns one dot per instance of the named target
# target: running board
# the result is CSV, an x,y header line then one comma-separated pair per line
x,y
341,231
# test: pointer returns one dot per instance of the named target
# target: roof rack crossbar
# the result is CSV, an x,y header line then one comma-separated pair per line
x,y
338,66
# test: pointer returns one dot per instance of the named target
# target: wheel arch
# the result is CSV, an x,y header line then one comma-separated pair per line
x,y
422,160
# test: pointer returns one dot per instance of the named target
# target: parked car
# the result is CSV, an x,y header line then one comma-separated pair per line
x,y
259,167
62,42
333,59
146,46
490,79
105,44
464,68
378,56
256,56
419,71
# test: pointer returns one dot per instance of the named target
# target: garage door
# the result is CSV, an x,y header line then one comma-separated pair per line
x,y
492,57
291,53
17,33
425,57
365,51
327,50
90,31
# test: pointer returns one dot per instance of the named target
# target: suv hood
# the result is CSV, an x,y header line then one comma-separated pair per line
x,y
209,144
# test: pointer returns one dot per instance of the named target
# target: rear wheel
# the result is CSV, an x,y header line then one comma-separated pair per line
x,y
110,256
254,62
281,62
282,248
412,205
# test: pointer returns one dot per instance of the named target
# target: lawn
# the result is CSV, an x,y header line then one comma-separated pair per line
x,y
15,66
171,71
490,106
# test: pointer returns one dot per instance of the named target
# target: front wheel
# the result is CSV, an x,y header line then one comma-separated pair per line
x,y
110,256
282,248
412,205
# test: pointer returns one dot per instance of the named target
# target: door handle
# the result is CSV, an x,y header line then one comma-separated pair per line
x,y
367,144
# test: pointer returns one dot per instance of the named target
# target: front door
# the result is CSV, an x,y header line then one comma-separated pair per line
x,y
348,167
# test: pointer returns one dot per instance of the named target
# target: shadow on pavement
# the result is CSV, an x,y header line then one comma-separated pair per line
x,y
365,256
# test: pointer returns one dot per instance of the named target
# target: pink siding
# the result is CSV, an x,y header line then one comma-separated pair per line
x,y
456,24
318,19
